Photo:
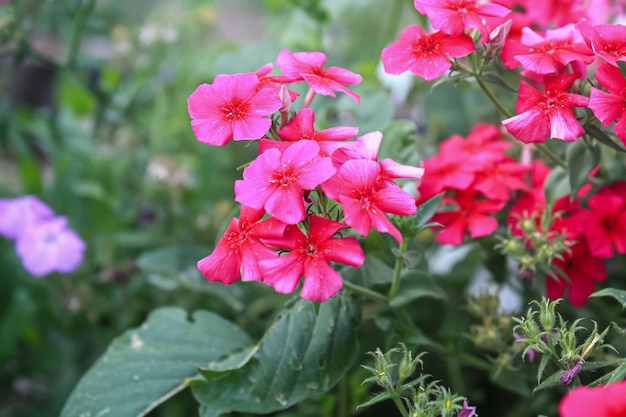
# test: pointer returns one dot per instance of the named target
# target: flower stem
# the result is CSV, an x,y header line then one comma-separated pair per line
x,y
397,273
81,17
553,157
365,291
308,99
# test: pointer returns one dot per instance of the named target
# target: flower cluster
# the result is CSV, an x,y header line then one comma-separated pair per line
x,y
554,45
304,187
478,179
43,241
603,401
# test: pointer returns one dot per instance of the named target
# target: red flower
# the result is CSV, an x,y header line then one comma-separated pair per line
x,y
240,249
472,214
610,106
232,107
426,55
309,67
309,256
547,114
603,401
582,271
606,226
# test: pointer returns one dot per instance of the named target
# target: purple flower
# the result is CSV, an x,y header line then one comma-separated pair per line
x,y
48,246
16,213
467,411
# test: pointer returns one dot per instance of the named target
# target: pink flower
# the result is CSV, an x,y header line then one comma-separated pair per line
x,y
232,107
610,106
49,245
548,114
17,213
240,249
310,256
363,202
426,55
606,41
275,180
603,401
547,54
454,16
309,67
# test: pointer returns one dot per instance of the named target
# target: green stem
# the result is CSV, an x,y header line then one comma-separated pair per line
x,y
77,34
491,96
554,157
400,405
365,292
397,273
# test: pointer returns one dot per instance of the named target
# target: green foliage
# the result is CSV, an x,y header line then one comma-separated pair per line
x,y
149,364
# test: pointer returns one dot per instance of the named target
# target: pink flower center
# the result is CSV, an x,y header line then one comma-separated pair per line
x,y
234,110
553,101
284,177
425,46
311,250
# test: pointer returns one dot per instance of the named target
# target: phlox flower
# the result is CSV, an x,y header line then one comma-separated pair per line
x,y
425,55
610,106
497,180
17,213
309,256
582,272
274,181
363,202
309,67
468,212
606,226
603,401
547,114
454,16
49,245
240,249
547,54
467,410
607,41
232,108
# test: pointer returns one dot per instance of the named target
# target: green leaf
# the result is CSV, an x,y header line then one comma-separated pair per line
x,y
557,184
618,374
415,285
302,354
426,211
552,381
601,136
496,79
147,365
581,161
619,295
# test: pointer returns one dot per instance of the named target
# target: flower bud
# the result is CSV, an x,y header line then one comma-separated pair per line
x,y
568,375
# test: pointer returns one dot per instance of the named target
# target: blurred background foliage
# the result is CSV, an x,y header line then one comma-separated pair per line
x,y
93,119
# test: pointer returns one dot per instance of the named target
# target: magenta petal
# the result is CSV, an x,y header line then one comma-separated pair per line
x,y
251,128
344,250
529,126
563,125
283,273
316,173
321,281
355,216
223,265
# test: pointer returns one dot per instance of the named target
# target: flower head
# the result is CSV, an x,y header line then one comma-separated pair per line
x,y
603,401
309,67
309,256
547,114
240,249
232,108
426,55
17,213
274,181
48,246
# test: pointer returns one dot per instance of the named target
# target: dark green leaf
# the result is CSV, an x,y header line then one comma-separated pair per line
x,y
303,353
581,161
147,365
601,135
415,285
496,79
552,381
427,210
619,295
557,184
